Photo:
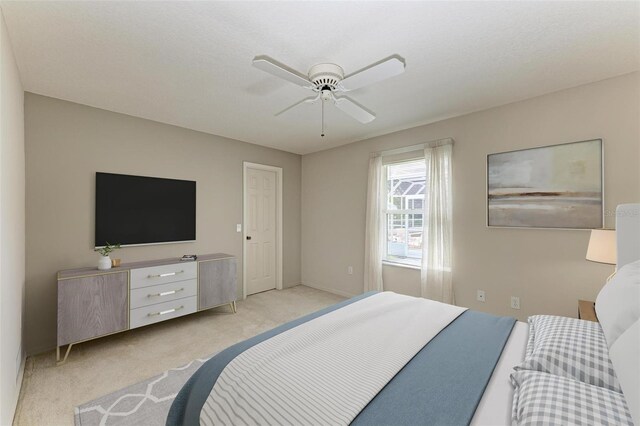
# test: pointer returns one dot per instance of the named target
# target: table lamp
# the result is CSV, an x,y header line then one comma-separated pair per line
x,y
602,247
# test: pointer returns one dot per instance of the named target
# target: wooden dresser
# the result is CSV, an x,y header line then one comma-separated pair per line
x,y
94,303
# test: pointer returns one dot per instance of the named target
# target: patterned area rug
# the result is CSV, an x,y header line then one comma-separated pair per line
x,y
145,403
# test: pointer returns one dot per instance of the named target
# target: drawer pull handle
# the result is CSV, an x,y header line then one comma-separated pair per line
x,y
165,293
168,274
168,311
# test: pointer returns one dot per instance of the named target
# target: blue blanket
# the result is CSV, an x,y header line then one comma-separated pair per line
x,y
442,384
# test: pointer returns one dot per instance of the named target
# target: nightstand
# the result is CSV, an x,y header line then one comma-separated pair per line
x,y
587,310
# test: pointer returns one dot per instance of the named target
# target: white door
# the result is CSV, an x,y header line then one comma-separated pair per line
x,y
260,230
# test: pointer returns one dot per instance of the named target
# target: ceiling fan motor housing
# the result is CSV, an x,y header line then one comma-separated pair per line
x,y
326,76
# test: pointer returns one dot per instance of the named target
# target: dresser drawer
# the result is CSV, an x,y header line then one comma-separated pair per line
x,y
144,277
160,293
162,311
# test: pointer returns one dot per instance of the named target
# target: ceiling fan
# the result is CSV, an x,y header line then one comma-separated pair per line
x,y
329,80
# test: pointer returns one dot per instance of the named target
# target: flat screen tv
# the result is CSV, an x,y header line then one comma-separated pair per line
x,y
133,210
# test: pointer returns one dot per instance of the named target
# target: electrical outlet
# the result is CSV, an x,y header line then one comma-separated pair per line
x,y
515,302
480,296
350,270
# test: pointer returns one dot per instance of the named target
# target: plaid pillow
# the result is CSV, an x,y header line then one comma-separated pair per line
x,y
569,348
545,399
531,340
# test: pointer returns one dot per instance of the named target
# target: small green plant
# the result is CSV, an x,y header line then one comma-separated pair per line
x,y
107,249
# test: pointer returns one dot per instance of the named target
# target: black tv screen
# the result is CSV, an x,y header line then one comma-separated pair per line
x,y
144,210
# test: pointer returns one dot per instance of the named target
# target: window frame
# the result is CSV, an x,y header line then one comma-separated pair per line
x,y
409,262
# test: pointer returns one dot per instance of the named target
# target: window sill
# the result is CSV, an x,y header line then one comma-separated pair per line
x,y
400,265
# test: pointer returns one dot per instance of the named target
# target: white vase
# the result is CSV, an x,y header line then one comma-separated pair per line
x,y
104,263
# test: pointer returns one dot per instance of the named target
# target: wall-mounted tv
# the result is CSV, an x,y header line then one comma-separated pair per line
x,y
133,210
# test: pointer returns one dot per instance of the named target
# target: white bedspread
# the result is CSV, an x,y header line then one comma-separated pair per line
x,y
326,371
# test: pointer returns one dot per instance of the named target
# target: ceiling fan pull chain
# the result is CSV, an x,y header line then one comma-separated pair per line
x,y
322,102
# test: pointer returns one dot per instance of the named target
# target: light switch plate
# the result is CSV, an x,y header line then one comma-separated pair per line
x,y
239,227
480,296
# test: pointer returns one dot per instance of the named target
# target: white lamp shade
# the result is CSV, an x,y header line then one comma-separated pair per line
x,y
602,246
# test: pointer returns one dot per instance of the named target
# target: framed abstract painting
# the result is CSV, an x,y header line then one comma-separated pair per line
x,y
556,186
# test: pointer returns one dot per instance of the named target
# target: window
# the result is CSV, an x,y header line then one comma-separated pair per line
x,y
405,211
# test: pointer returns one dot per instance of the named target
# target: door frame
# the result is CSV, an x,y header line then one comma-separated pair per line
x,y
278,170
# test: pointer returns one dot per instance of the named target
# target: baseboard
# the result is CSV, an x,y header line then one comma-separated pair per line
x,y
39,350
328,290
19,380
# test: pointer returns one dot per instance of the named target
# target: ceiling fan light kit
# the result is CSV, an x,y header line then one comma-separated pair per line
x,y
327,79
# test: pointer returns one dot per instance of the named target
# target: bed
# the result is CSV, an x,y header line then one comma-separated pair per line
x,y
357,362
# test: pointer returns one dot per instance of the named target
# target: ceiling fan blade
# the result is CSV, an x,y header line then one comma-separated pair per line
x,y
350,107
274,67
310,99
374,73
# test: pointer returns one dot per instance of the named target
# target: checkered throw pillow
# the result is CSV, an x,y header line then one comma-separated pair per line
x,y
545,399
569,348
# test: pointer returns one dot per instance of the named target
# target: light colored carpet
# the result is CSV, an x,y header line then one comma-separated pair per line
x,y
96,368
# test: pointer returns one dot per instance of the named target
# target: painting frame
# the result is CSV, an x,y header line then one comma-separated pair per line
x,y
577,228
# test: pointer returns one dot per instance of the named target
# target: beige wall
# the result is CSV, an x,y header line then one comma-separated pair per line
x,y
12,228
545,268
67,143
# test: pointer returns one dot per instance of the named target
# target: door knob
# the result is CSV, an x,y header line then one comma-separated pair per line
x,y
248,237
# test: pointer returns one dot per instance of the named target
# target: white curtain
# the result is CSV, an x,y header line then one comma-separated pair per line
x,y
436,240
374,237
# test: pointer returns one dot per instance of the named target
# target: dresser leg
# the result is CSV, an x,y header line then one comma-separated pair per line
x,y
233,306
66,354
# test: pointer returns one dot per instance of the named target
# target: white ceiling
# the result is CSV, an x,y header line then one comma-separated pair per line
x,y
189,63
